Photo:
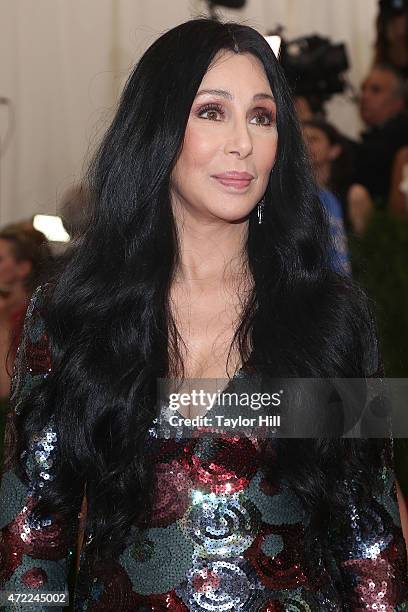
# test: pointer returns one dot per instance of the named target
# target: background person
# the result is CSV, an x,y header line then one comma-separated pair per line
x,y
391,45
24,258
332,158
383,110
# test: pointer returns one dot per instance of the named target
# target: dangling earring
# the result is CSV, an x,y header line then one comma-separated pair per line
x,y
260,209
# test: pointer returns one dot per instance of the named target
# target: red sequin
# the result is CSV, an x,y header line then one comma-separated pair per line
x,y
232,465
116,589
168,602
39,358
49,542
205,580
273,606
34,578
284,571
171,500
11,555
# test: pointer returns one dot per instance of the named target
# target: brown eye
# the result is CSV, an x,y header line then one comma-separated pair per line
x,y
212,112
264,118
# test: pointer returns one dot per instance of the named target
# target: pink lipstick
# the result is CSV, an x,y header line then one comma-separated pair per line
x,y
238,180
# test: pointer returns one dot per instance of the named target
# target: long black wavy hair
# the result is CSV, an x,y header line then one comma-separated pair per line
x,y
108,319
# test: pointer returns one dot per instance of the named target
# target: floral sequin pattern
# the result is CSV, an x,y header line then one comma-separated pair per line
x,y
223,465
34,552
220,537
159,560
220,584
221,526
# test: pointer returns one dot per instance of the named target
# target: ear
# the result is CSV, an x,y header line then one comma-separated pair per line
x,y
335,151
24,268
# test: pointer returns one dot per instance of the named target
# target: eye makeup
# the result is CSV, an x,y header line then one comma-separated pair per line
x,y
215,112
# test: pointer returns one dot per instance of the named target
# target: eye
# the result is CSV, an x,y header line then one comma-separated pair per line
x,y
213,112
263,117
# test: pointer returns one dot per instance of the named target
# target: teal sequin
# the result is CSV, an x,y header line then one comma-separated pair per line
x,y
36,330
55,571
388,498
170,558
15,492
272,545
281,508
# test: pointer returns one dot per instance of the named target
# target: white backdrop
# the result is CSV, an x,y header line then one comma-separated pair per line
x,y
63,63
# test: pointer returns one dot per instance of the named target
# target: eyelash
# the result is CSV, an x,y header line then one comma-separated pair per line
x,y
217,107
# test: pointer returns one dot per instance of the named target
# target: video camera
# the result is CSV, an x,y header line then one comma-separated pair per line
x,y
388,8
314,66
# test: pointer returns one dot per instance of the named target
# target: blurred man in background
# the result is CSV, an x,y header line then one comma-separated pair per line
x,y
383,110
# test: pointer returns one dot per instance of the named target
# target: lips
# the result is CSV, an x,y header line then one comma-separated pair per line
x,y
234,175
239,180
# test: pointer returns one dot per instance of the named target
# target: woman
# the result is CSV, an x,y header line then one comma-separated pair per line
x,y
206,255
323,143
23,255
332,160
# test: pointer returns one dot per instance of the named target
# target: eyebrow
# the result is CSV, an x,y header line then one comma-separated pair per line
x,y
228,95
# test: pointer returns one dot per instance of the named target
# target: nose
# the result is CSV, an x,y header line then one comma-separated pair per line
x,y
239,141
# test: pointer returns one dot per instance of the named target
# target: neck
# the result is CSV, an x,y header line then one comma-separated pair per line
x,y
212,251
322,174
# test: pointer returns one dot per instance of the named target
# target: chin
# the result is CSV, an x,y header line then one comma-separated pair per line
x,y
234,216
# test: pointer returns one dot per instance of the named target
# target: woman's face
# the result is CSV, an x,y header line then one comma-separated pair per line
x,y
321,151
11,270
230,141
8,264
302,108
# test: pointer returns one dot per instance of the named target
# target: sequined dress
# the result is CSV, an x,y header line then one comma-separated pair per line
x,y
221,538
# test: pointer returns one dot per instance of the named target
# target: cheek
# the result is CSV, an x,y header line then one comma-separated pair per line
x,y
266,155
199,147
325,152
194,160
6,268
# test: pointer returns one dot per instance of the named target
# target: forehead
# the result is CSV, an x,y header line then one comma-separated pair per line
x,y
5,247
240,73
381,79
